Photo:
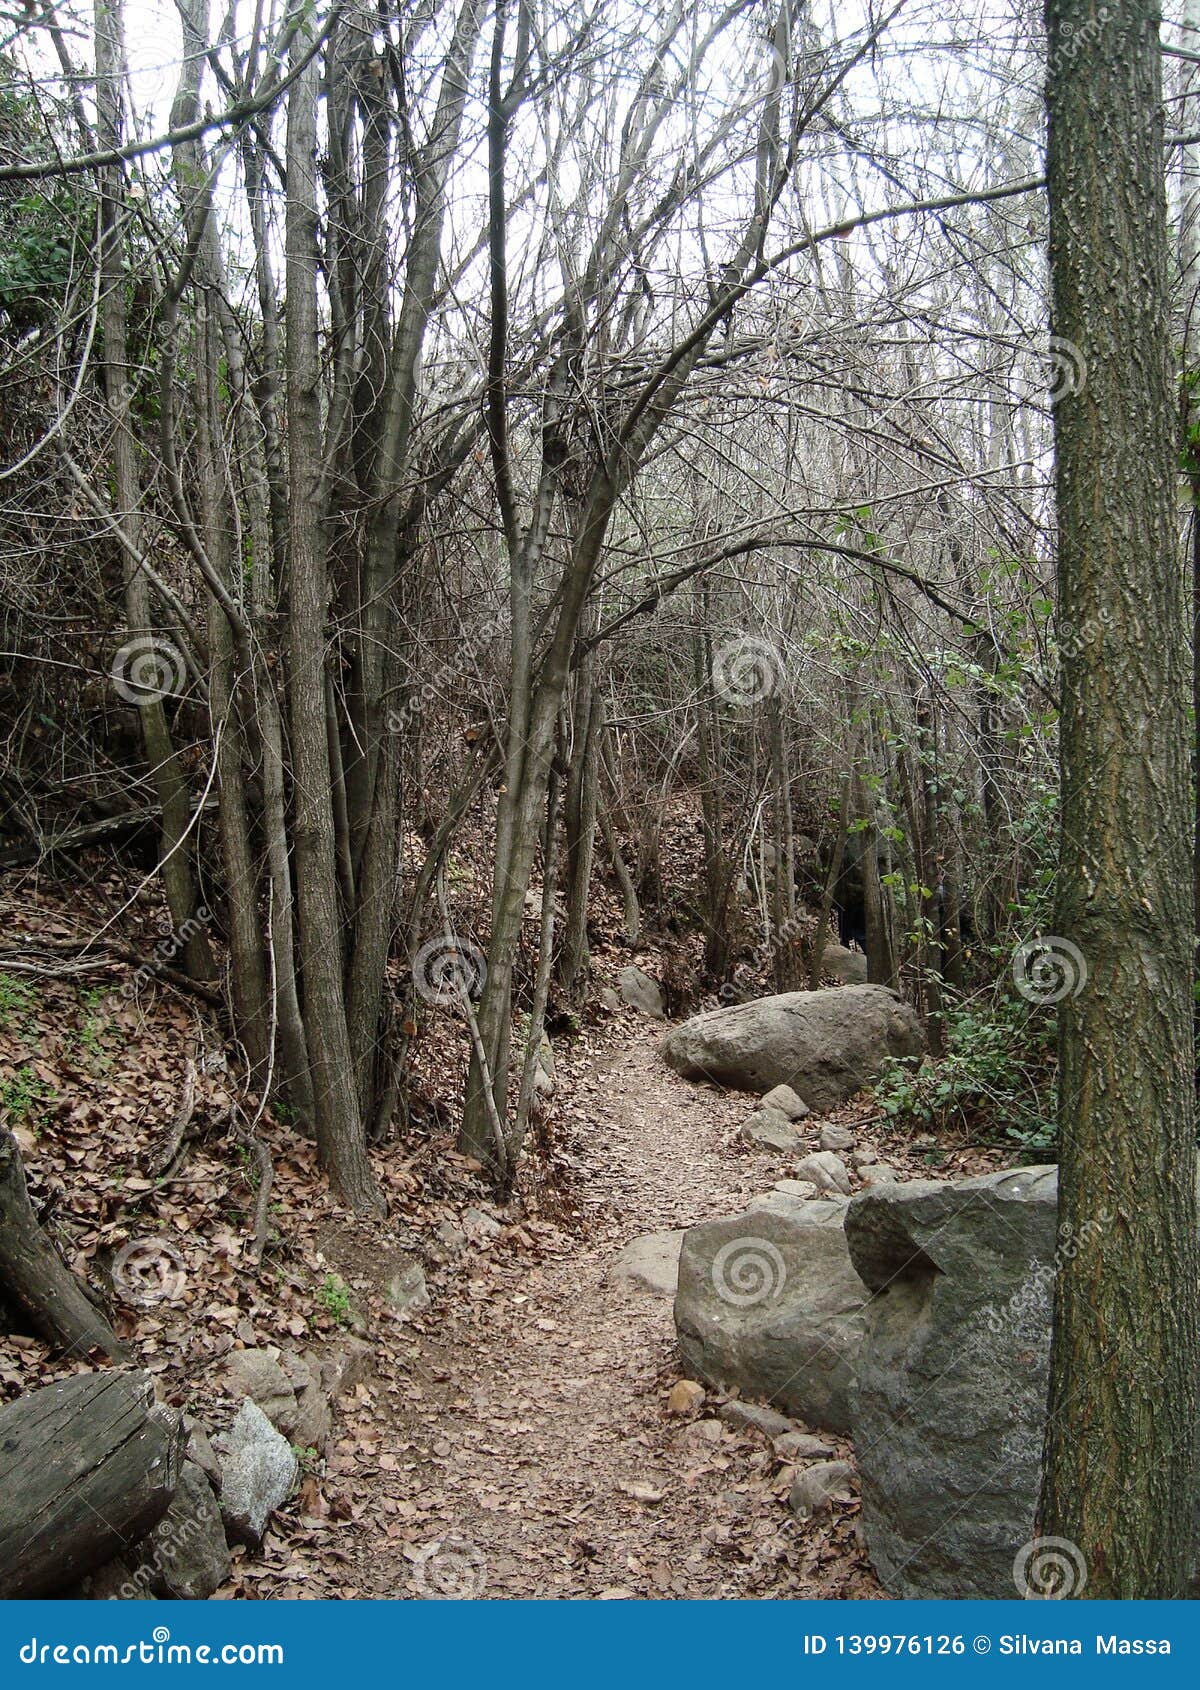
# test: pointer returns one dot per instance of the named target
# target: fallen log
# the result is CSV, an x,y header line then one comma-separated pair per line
x,y
88,1466
34,1276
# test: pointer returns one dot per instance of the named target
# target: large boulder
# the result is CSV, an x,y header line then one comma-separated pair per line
x,y
950,1403
769,1304
828,1045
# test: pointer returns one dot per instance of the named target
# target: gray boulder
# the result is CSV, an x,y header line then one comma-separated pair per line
x,y
185,1556
952,1376
768,1304
259,1471
837,1138
650,1263
827,1044
641,991
839,962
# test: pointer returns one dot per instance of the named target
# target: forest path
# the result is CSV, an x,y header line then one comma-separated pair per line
x,y
531,1454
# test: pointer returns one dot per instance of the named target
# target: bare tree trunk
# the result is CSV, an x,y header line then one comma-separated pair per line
x,y
166,772
580,824
1121,1442
341,1135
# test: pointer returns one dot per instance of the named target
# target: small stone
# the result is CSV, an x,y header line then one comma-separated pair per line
x,y
826,1171
837,1138
479,1224
878,1173
609,998
345,1367
258,1375
685,1398
650,1263
753,1417
771,1131
451,1237
817,1487
787,1102
258,1473
860,1158
406,1290
801,1446
711,1431
803,1189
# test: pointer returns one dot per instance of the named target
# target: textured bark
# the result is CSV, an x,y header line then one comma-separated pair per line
x,y
170,781
1119,1480
341,1137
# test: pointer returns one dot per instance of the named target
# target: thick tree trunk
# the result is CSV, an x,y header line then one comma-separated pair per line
x,y
1120,1454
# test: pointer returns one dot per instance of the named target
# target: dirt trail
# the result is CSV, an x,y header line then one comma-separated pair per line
x,y
531,1455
